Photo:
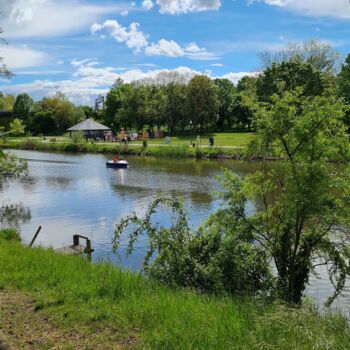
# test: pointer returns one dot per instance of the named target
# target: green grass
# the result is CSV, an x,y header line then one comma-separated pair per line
x,y
74,293
220,139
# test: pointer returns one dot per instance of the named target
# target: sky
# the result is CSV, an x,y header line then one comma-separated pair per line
x,y
80,47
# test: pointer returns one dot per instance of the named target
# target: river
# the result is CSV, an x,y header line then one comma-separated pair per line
x,y
69,194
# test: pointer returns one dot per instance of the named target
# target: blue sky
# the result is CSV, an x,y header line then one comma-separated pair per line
x,y
80,47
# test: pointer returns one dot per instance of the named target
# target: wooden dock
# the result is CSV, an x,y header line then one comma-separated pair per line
x,y
76,248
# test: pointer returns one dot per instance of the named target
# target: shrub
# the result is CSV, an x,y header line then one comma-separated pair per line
x,y
10,234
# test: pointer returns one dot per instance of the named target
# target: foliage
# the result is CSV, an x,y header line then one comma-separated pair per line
x,y
42,122
11,166
343,84
226,92
243,105
302,218
288,76
202,101
10,234
23,107
7,102
211,259
17,127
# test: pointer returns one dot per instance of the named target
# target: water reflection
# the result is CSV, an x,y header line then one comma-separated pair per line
x,y
14,215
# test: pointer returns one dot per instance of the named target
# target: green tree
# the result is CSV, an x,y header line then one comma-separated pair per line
x,y
17,127
113,104
42,122
287,76
226,92
243,104
302,219
23,107
343,83
202,102
7,102
175,106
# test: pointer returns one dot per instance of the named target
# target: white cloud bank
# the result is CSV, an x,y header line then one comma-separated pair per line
x,y
175,7
136,40
17,57
40,18
318,8
88,82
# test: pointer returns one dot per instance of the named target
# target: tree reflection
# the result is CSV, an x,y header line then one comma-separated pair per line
x,y
13,215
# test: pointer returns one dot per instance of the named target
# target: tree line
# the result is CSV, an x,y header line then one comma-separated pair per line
x,y
179,103
176,102
50,116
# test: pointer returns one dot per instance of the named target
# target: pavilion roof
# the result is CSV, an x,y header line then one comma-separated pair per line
x,y
88,125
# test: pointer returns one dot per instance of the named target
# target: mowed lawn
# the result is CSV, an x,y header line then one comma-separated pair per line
x,y
233,139
220,139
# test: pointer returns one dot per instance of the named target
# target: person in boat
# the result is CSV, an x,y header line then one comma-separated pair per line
x,y
116,159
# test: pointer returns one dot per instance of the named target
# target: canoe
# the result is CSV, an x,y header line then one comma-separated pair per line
x,y
120,164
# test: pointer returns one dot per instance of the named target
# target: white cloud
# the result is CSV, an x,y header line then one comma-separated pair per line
x,y
28,18
132,36
135,39
164,48
16,57
332,8
124,13
236,76
174,7
216,64
147,4
89,82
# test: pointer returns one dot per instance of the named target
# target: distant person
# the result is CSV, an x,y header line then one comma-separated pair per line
x,y
211,140
198,141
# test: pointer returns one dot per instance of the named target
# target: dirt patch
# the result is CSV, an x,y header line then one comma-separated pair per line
x,y
24,327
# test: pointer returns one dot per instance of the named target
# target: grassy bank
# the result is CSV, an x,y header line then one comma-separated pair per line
x,y
74,295
116,148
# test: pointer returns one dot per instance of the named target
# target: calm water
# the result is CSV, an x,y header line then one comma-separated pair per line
x,y
69,194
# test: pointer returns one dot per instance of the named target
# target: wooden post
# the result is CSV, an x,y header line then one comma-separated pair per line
x,y
76,240
88,246
35,236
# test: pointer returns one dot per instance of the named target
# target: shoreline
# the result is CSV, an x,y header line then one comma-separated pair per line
x,y
176,151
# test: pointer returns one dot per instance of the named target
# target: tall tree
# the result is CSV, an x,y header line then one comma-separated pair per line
x,y
287,76
23,107
243,104
319,54
202,102
302,218
225,91
175,108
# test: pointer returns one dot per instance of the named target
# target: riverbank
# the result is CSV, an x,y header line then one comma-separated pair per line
x,y
84,305
154,150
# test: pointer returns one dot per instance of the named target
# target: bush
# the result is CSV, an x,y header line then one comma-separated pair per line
x,y
10,234
213,258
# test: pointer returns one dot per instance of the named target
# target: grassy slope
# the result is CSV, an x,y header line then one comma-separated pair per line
x,y
74,293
